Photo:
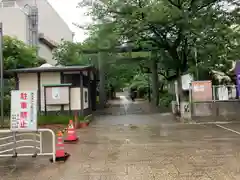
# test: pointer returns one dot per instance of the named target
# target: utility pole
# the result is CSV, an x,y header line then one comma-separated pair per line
x,y
1,74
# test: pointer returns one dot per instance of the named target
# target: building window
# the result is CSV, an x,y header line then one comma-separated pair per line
x,y
73,79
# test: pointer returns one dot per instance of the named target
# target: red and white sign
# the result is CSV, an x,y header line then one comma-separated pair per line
x,y
24,110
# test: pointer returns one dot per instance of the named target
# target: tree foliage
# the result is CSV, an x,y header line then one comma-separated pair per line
x,y
120,76
176,28
139,82
185,34
69,53
17,54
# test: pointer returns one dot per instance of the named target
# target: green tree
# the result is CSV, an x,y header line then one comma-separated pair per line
x,y
175,28
17,54
70,53
120,75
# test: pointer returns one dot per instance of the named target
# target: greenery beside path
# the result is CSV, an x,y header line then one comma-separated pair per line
x,y
173,37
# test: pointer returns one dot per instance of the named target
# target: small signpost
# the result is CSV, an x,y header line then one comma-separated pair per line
x,y
23,111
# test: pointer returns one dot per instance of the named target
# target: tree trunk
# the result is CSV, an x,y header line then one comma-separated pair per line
x,y
179,86
181,95
155,84
102,69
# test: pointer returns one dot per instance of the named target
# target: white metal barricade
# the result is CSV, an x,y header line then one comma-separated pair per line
x,y
13,143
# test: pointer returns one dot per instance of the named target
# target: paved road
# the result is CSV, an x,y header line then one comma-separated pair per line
x,y
141,147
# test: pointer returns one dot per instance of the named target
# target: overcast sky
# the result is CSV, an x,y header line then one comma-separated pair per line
x,y
70,14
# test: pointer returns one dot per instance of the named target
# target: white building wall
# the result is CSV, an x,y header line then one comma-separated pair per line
x,y
76,99
29,82
46,53
50,23
52,26
14,23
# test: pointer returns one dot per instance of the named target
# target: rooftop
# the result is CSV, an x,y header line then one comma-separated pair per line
x,y
51,69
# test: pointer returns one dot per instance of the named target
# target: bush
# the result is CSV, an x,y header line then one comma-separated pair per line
x,y
7,103
165,99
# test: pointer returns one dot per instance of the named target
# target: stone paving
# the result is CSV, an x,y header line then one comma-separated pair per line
x,y
139,147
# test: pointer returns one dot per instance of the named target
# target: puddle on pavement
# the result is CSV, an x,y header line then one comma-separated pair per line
x,y
113,156
158,131
90,142
16,166
134,127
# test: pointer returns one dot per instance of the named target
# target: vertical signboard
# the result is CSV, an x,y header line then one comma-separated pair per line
x,y
23,110
201,90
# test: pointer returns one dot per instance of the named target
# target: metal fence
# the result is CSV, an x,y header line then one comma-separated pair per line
x,y
224,106
12,142
224,93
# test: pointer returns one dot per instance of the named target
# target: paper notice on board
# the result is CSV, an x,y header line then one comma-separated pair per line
x,y
55,93
198,88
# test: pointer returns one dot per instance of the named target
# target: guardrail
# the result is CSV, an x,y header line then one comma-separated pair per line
x,y
38,149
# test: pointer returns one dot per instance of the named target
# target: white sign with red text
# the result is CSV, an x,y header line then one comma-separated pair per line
x,y
23,110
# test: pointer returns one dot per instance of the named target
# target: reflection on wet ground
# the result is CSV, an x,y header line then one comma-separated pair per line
x,y
139,147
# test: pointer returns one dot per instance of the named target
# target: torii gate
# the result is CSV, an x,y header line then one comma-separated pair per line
x,y
117,49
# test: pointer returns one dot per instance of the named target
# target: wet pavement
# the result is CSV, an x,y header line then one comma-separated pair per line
x,y
139,147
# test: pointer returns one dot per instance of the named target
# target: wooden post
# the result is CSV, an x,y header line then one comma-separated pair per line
x,y
89,91
94,92
45,102
81,93
39,92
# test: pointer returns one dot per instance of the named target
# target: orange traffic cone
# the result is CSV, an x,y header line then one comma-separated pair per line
x,y
61,155
71,133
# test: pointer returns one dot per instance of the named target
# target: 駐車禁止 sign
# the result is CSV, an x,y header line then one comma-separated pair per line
x,y
23,111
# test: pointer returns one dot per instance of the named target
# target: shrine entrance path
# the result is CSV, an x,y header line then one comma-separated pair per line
x,y
141,146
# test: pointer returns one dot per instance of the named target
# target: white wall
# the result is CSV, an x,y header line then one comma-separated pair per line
x,y
76,99
46,53
14,23
50,23
28,81
16,26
